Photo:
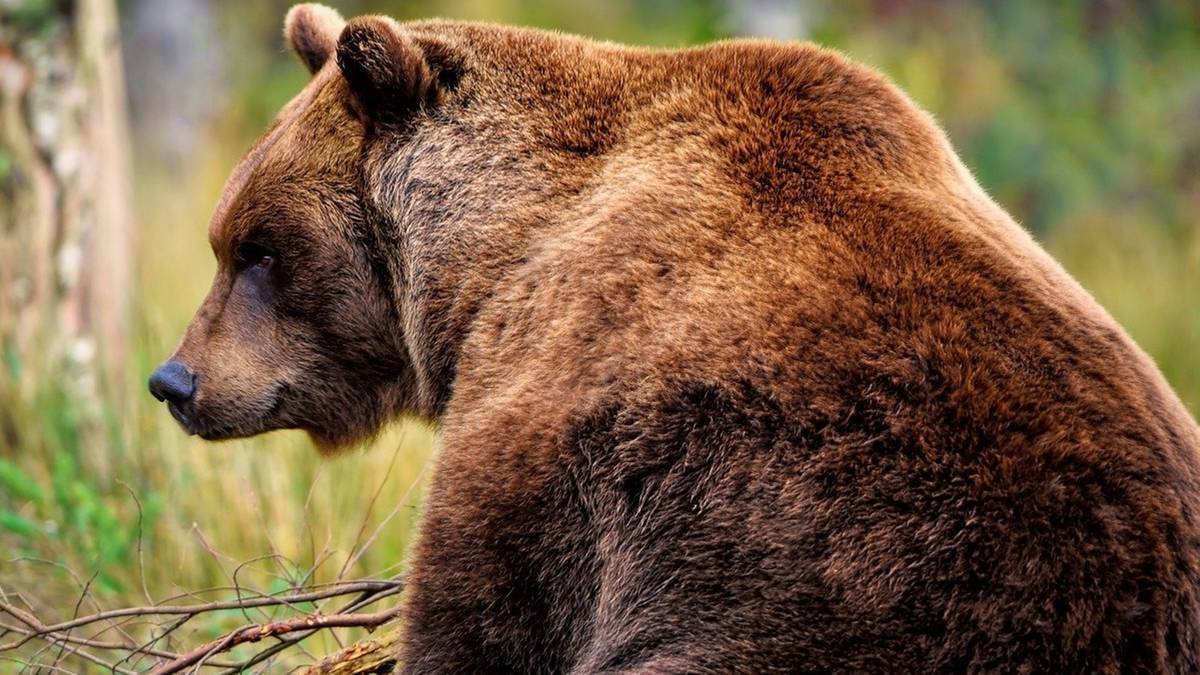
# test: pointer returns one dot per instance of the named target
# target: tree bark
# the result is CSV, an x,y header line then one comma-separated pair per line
x,y
65,217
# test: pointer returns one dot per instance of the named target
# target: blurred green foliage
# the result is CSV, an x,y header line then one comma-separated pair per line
x,y
31,16
1059,108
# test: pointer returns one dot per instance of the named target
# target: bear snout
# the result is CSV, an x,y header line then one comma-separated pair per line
x,y
173,382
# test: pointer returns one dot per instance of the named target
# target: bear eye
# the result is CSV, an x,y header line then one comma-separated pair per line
x,y
251,255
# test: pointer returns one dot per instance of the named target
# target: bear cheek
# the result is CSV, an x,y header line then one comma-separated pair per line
x,y
239,366
228,374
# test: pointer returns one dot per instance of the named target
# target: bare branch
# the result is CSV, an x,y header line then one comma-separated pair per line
x,y
67,638
285,643
141,562
343,588
289,632
256,632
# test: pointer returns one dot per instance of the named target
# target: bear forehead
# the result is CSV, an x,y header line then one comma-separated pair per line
x,y
274,146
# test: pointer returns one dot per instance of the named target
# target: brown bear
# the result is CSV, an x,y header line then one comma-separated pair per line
x,y
737,368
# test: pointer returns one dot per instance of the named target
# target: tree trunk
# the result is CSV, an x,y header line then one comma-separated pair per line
x,y
65,217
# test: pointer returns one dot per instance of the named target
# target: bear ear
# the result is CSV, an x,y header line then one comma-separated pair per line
x,y
388,73
312,30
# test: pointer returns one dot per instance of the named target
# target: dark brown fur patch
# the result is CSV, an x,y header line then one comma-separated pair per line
x,y
387,72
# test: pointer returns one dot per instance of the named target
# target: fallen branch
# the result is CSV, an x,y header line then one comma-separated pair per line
x,y
256,632
334,590
64,635
365,657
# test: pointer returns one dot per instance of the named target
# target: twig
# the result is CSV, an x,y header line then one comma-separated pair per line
x,y
343,588
75,613
64,638
147,647
27,664
256,632
84,654
237,585
141,562
284,643
367,512
400,504
59,635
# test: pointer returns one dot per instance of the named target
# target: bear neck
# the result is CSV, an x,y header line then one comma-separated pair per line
x,y
469,198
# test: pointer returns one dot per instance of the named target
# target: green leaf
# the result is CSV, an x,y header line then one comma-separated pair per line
x,y
18,483
18,524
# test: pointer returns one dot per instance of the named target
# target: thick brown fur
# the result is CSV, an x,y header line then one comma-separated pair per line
x,y
737,368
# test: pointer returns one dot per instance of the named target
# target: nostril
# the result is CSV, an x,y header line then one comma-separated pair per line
x,y
172,382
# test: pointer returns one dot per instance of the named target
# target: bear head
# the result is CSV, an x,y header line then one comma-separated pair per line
x,y
302,327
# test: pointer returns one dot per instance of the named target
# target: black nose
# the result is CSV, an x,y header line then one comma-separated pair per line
x,y
172,382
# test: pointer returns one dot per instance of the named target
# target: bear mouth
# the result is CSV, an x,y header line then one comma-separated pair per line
x,y
263,416
180,416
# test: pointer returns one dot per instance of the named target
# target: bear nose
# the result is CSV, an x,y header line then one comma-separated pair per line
x,y
173,382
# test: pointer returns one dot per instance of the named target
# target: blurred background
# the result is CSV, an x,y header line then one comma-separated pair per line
x,y
119,122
